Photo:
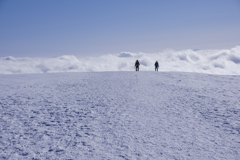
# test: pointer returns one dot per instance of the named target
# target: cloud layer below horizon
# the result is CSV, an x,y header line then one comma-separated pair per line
x,y
225,61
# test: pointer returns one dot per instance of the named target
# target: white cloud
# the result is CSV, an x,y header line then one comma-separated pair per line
x,y
225,61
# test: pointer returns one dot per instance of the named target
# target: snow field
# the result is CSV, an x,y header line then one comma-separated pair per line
x,y
119,115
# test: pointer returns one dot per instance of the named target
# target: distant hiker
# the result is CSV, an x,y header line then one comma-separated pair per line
x,y
156,66
137,64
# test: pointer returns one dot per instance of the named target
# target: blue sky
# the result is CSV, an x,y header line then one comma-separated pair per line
x,y
43,28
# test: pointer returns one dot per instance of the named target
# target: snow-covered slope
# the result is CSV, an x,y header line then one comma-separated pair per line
x,y
119,115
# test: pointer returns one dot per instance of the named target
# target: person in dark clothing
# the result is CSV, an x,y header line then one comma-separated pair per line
x,y
156,66
137,64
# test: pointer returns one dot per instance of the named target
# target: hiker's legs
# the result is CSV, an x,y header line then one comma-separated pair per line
x,y
137,68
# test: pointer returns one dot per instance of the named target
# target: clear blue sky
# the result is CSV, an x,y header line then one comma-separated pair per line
x,y
50,28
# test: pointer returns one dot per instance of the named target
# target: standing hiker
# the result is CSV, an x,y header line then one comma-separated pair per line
x,y
137,64
156,66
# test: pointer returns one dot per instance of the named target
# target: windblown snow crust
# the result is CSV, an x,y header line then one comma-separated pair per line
x,y
225,62
119,115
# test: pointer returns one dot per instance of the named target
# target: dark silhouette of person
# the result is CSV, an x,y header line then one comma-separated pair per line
x,y
156,66
137,64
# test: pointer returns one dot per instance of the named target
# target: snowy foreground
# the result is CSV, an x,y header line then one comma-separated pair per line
x,y
120,115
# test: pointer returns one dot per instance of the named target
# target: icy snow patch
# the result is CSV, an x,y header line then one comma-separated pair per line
x,y
119,115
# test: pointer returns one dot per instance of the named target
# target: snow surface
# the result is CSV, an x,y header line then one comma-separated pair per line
x,y
120,115
224,61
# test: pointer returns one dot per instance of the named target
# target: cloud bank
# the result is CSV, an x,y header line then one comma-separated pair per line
x,y
225,61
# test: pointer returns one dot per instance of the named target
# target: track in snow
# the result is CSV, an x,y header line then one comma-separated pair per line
x,y
119,115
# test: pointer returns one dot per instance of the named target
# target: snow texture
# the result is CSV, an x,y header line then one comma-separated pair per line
x,y
120,115
225,61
